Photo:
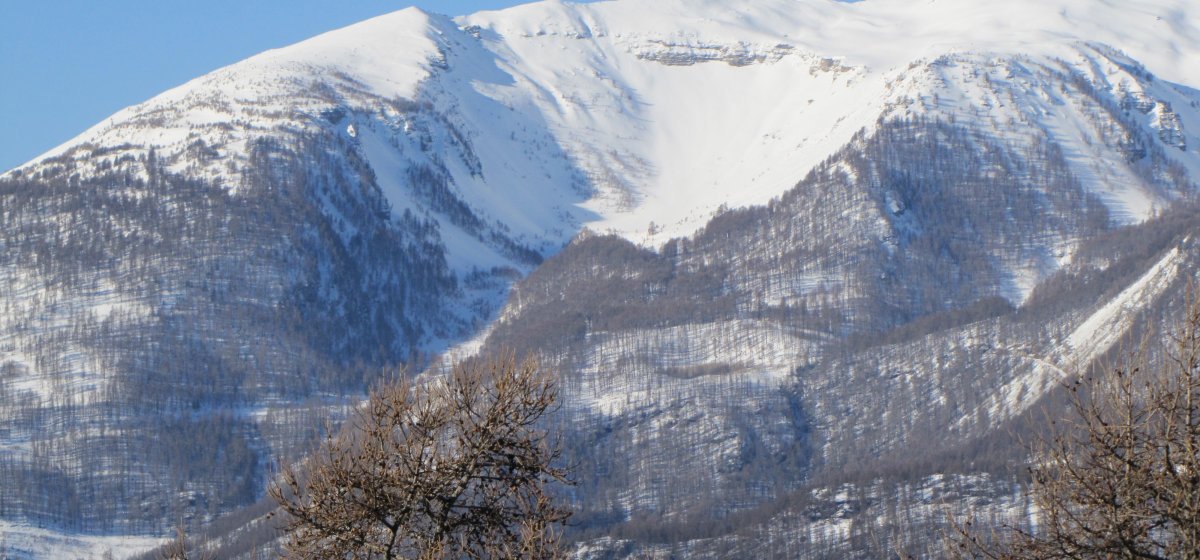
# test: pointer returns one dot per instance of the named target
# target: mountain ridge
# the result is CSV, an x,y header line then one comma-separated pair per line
x,y
634,180
726,237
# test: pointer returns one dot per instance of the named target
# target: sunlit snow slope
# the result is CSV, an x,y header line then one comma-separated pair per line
x,y
645,117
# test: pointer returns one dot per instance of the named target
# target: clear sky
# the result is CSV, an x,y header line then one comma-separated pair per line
x,y
67,64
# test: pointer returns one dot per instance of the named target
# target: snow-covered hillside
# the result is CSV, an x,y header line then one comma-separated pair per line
x,y
644,118
834,208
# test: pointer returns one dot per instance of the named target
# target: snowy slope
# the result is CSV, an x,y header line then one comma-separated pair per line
x,y
34,542
646,118
502,135
743,100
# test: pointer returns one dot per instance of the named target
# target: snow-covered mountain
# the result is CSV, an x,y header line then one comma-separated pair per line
x,y
663,112
804,194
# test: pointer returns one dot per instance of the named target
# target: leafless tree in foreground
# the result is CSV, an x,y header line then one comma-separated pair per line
x,y
454,468
182,547
1121,477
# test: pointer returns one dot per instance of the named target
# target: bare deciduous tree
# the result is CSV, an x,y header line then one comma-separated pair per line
x,y
182,548
457,467
1121,477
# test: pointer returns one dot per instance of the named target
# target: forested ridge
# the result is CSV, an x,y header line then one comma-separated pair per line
x,y
163,334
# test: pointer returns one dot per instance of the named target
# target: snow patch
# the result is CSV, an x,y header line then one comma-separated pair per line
x,y
19,541
1106,326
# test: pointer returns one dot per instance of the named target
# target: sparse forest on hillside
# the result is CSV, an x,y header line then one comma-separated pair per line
x,y
160,309
808,274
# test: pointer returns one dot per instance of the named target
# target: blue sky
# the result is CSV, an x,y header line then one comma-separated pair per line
x,y
67,64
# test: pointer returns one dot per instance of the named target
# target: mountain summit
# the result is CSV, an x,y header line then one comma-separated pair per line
x,y
661,113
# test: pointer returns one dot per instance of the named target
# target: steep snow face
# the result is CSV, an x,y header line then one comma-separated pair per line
x,y
401,91
677,108
883,34
1104,328
386,57
277,85
645,118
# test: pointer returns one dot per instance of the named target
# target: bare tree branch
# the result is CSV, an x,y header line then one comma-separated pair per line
x,y
456,467
1121,477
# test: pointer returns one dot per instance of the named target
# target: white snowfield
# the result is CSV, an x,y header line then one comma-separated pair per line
x,y
645,118
23,541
